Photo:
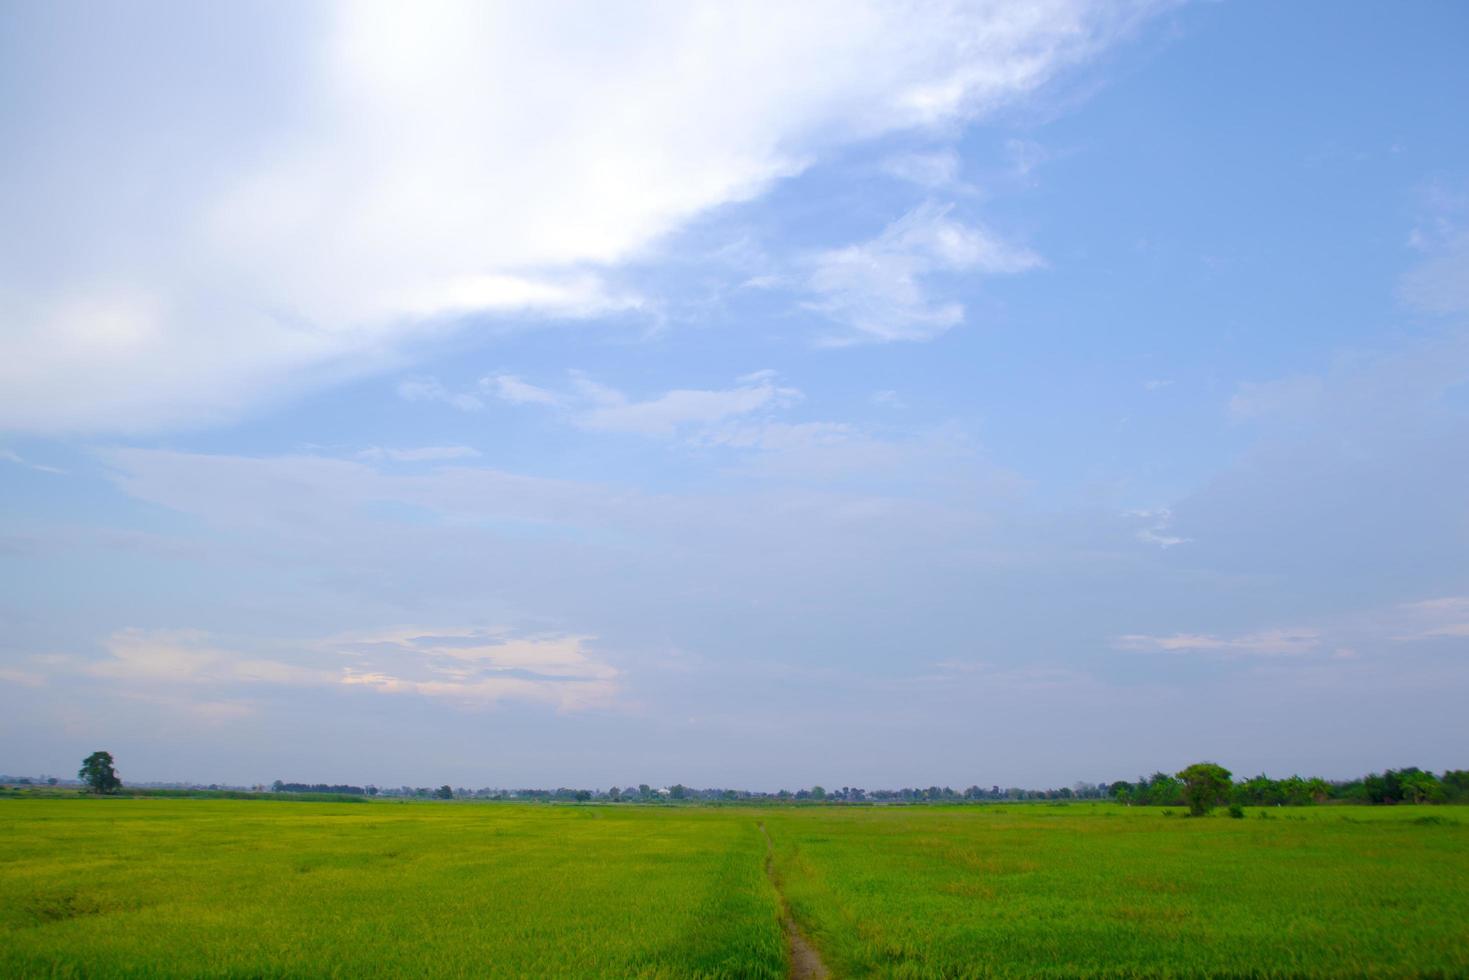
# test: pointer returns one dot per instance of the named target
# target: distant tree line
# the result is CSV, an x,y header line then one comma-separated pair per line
x,y
1408,785
280,787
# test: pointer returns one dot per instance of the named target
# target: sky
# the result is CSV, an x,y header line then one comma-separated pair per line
x,y
754,395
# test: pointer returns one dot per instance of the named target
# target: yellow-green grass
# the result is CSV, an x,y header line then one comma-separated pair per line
x,y
102,887
136,886
1108,891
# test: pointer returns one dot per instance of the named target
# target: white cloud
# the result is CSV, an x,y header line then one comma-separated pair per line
x,y
430,390
888,399
421,454
673,410
1432,619
799,437
476,666
584,296
432,162
1347,635
879,291
13,457
938,170
1025,156
169,655
599,408
190,657
1160,522
1288,399
509,388
1267,643
25,678
1440,284
469,666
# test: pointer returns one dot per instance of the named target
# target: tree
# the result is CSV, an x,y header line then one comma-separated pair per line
x,y
1377,788
99,775
1162,790
444,792
1205,785
1421,787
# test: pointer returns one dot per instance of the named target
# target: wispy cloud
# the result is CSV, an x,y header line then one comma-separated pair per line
x,y
430,390
744,417
449,163
689,412
1158,531
1432,619
888,398
509,388
1349,635
1267,643
1026,156
187,656
1285,399
13,457
881,290
1440,283
467,666
936,170
675,410
22,677
475,666
421,454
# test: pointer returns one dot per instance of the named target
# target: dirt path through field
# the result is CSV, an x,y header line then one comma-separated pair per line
x,y
805,961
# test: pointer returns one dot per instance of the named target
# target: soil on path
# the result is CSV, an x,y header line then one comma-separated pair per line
x,y
805,961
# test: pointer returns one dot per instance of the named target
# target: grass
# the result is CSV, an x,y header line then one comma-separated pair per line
x,y
148,886
71,792
1107,891
102,887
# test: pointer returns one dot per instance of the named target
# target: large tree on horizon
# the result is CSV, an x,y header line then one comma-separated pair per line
x,y
1205,785
98,773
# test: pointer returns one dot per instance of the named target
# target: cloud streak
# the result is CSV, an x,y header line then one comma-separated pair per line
x,y
688,411
880,290
469,667
1268,643
421,169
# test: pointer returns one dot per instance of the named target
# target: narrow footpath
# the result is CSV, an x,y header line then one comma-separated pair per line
x,y
805,961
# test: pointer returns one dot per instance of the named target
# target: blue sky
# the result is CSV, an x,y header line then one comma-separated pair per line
x,y
747,396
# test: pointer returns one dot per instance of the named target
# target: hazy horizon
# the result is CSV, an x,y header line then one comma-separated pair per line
x,y
755,396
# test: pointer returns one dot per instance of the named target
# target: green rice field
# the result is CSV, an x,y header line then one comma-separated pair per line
x,y
107,887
